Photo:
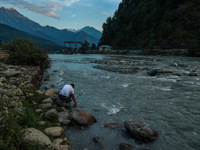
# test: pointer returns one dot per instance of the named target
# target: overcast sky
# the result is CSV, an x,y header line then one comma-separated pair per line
x,y
70,14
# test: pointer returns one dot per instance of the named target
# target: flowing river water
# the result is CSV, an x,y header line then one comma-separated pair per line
x,y
168,103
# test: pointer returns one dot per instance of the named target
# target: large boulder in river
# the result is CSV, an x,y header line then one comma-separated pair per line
x,y
140,131
82,117
35,139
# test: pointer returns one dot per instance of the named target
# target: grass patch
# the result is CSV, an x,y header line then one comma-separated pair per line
x,y
12,123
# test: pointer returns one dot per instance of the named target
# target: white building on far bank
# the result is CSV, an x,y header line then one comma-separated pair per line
x,y
105,48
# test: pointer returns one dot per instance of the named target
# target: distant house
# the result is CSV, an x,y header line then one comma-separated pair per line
x,y
105,48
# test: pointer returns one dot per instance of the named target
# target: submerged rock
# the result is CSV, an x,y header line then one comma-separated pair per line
x,y
152,72
63,118
98,139
112,125
81,117
193,73
140,131
124,146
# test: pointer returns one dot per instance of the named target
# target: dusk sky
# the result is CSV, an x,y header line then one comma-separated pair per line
x,y
70,14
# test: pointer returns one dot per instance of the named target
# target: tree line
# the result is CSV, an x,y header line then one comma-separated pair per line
x,y
150,23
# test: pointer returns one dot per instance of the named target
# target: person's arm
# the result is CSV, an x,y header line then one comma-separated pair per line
x,y
73,97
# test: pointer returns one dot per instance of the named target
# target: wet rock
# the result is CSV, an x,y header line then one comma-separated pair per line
x,y
50,92
140,131
45,106
54,131
65,122
54,97
98,139
51,114
81,117
178,73
48,100
111,125
124,146
193,73
152,72
35,139
63,117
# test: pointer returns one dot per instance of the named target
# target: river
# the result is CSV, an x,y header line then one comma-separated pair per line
x,y
168,103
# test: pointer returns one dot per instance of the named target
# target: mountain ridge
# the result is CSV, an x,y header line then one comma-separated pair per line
x,y
8,33
13,18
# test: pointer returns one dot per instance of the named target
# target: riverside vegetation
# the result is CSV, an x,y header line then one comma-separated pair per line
x,y
154,24
30,118
20,76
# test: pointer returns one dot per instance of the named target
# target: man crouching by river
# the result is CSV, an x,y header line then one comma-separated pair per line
x,y
66,95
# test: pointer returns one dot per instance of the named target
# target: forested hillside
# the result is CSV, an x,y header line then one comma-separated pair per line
x,y
8,33
151,24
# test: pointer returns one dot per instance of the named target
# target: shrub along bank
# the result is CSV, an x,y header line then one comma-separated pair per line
x,y
19,120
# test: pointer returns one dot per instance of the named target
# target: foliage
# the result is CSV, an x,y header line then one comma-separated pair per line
x,y
24,52
84,46
10,130
94,47
135,21
12,123
193,49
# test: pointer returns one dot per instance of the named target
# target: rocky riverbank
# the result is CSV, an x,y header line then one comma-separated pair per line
x,y
18,85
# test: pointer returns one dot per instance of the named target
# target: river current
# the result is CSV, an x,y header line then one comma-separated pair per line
x,y
169,104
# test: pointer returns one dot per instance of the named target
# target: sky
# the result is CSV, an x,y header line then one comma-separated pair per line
x,y
65,14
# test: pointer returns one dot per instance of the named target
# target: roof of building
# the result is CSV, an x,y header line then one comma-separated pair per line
x,y
105,46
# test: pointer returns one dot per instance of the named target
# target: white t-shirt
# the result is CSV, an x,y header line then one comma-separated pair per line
x,y
67,90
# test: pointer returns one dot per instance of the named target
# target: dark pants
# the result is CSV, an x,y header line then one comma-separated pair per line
x,y
67,100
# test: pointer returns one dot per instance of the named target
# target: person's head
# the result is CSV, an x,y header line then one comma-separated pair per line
x,y
72,85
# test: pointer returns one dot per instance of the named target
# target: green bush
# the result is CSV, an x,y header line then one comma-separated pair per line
x,y
24,52
11,132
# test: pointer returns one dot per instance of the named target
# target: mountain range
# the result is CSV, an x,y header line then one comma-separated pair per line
x,y
8,33
13,18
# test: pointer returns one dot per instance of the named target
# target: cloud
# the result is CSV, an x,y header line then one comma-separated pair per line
x,y
73,16
46,8
9,8
113,1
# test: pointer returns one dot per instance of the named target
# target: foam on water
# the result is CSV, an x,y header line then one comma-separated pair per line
x,y
112,109
167,80
161,88
125,85
105,77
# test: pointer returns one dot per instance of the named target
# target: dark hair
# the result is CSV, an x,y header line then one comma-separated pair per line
x,y
72,85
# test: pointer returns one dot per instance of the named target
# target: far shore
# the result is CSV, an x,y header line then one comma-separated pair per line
x,y
161,52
